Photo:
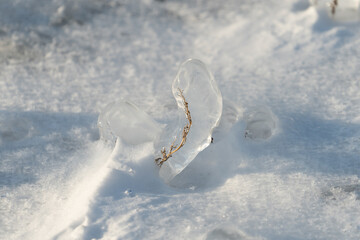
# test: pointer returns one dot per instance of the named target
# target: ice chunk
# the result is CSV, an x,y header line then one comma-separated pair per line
x,y
260,123
205,105
125,120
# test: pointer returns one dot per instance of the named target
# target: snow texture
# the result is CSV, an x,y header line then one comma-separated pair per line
x,y
62,62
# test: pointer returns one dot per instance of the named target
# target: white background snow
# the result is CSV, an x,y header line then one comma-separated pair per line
x,y
62,61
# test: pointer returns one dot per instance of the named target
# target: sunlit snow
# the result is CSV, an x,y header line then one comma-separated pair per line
x,y
285,158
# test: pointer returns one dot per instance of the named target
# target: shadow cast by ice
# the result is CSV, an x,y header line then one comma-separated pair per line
x,y
327,20
31,142
226,233
15,179
304,143
19,129
300,5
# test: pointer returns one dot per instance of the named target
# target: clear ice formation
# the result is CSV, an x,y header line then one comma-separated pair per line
x,y
205,105
125,120
260,123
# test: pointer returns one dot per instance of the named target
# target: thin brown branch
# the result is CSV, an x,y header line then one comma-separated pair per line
x,y
174,148
333,6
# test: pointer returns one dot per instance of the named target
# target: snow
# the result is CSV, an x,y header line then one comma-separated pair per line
x,y
62,62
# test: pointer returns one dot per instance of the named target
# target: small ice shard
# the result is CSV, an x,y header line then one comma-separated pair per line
x,y
205,105
128,192
260,123
125,120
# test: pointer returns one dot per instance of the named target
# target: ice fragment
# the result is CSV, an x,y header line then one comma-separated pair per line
x,y
260,123
125,120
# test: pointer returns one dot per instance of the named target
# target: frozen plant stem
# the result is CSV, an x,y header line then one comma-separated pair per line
x,y
333,6
174,148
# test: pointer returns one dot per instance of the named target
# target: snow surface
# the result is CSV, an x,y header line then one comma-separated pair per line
x,y
62,62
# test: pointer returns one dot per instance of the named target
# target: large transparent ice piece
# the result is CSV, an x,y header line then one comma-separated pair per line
x,y
125,120
205,105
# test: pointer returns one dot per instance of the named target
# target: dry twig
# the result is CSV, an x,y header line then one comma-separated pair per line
x,y
174,148
333,6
